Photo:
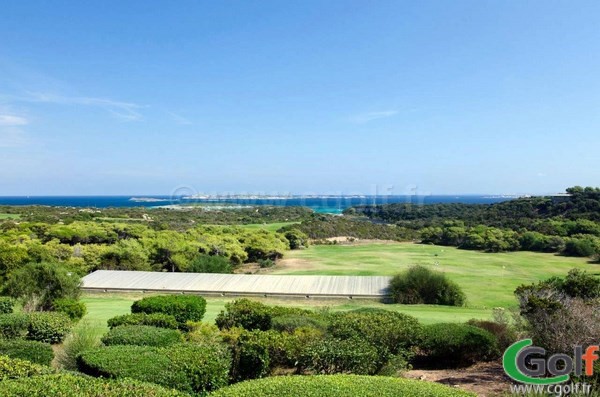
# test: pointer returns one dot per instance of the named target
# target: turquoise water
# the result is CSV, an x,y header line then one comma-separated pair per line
x,y
325,204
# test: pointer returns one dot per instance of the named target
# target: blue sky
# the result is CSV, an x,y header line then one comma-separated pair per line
x,y
443,97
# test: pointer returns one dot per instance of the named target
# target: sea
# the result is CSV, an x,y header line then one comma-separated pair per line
x,y
321,204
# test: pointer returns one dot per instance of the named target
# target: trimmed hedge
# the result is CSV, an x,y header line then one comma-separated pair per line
x,y
457,345
338,386
142,335
6,304
71,307
82,386
49,327
253,315
189,368
183,307
290,323
389,332
11,368
13,325
333,356
36,352
155,319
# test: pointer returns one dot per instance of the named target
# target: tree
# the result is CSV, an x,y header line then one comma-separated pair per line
x,y
39,284
296,238
209,264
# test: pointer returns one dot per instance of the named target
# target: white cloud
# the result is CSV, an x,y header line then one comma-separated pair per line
x,y
124,110
370,116
10,120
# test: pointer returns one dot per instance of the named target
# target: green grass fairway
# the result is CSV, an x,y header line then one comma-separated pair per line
x,y
272,227
101,307
9,216
488,279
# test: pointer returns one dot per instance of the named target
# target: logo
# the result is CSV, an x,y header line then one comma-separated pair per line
x,y
528,364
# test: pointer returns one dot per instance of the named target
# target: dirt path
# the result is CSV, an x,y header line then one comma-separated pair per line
x,y
485,379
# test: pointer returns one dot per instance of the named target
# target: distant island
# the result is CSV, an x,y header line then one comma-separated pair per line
x,y
147,200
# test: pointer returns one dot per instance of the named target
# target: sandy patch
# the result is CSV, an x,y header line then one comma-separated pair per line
x,y
483,379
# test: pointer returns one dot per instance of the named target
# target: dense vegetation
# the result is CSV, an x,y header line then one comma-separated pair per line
x,y
158,218
338,386
80,386
568,224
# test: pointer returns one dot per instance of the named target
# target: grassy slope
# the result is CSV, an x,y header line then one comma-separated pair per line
x,y
488,279
9,216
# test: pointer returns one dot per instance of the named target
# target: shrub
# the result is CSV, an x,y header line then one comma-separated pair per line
x,y
389,332
13,325
40,284
141,335
155,319
183,307
49,327
70,385
82,338
331,356
6,304
457,345
338,386
296,238
71,307
187,367
265,263
12,368
36,352
290,323
504,334
252,315
420,285
210,264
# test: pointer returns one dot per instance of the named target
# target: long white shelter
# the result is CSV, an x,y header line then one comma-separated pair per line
x,y
238,284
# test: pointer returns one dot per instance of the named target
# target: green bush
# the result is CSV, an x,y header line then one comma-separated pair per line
x,y
338,386
290,323
265,263
246,314
155,319
12,368
332,356
209,264
6,304
13,325
457,345
82,386
253,315
190,368
141,335
389,332
419,285
183,307
71,307
49,327
36,352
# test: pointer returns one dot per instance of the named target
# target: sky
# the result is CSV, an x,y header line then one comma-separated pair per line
x,y
276,97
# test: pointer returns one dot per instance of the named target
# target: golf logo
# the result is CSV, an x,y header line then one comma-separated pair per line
x,y
528,364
